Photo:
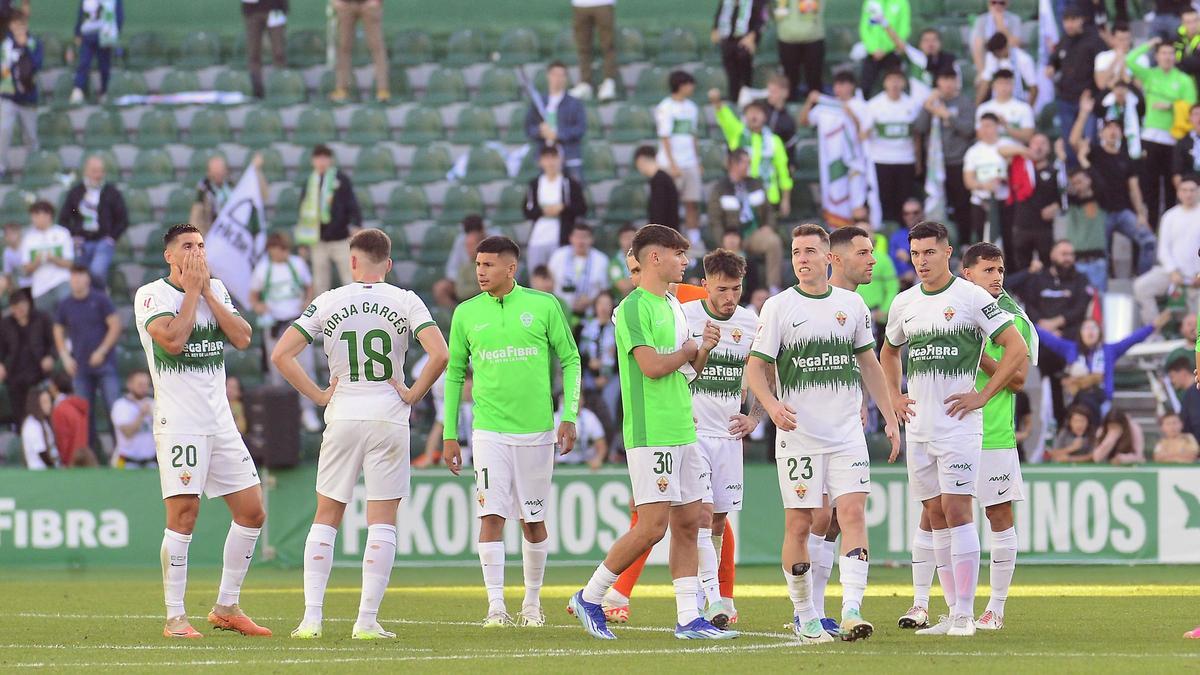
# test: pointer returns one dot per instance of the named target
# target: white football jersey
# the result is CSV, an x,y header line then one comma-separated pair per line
x,y
189,387
717,391
367,330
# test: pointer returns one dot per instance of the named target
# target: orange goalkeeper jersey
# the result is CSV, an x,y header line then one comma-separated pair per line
x,y
687,293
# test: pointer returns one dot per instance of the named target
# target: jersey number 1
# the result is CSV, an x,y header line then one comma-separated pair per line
x,y
381,356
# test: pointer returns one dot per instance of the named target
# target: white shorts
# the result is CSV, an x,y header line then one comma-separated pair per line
x,y
676,474
948,466
217,465
724,458
377,450
689,183
805,480
512,481
1000,477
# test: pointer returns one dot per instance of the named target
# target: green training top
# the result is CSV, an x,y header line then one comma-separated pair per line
x,y
1160,87
999,423
508,343
658,412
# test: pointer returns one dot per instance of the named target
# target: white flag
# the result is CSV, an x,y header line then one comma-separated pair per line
x,y
237,237
1048,36
847,174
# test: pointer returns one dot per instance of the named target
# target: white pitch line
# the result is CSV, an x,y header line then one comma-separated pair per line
x,y
210,646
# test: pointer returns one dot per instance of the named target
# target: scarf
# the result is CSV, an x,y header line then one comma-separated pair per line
x,y
315,209
296,283
1022,176
730,26
1195,156
100,16
8,58
1126,112
935,172
766,168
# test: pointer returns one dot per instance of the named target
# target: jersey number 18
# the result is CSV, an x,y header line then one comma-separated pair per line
x,y
378,364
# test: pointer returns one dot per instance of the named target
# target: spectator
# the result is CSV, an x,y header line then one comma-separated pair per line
x,y
1076,438
1119,441
954,113
1178,267
329,214
732,240
20,61
737,202
540,279
1056,295
1002,56
466,284
86,330
433,442
558,120
1036,206
618,268
877,16
552,202
1091,362
370,13
97,31
1086,229
1165,86
214,189
598,16
580,271
133,424
1179,380
69,419
591,447
1187,41
1015,115
1023,415
47,253
233,392
997,20
663,206
1072,67
37,436
985,173
768,157
1167,16
14,275
94,212
881,291
758,298
270,17
910,214
7,7
1175,446
737,28
1097,15
923,62
678,122
444,297
780,119
1110,65
1186,156
801,32
598,352
458,254
887,133
281,286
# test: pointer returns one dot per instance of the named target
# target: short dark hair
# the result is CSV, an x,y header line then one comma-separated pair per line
x,y
12,225
997,42
723,263
627,227
547,150
647,151
1190,178
991,117
737,156
927,31
279,239
500,245
41,206
375,243
322,150
732,231
541,271
811,230
761,106
947,73
63,382
80,268
929,228
1003,74
893,72
658,235
1181,363
17,16
844,76
1071,173
176,230
20,295
982,251
678,79
555,64
1121,27
472,223
844,235
1165,43
581,226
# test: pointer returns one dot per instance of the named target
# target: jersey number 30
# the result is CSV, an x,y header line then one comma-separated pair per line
x,y
377,366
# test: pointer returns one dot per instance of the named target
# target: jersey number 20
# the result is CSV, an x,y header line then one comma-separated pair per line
x,y
377,366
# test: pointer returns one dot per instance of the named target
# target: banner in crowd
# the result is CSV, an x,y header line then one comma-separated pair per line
x,y
846,172
237,237
83,517
1048,35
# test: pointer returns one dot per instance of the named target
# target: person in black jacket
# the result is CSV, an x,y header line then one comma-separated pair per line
x,y
94,212
1186,157
329,214
558,119
737,26
663,205
553,201
26,350
270,17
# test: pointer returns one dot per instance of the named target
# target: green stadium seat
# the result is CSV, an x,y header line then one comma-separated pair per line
x,y
287,206
412,48
676,46
632,124
652,85
284,88
498,85
843,14
465,47
407,203
932,10
446,85
233,46
516,126
707,77
15,206
374,165
839,39
198,165
485,165
125,83
137,203
595,125
1026,9
430,164
305,48
437,241
768,48
327,84
512,205
103,129
273,167
564,47
529,168
475,125
712,157
60,93
209,126
145,50
179,81
598,161
421,126
952,38
631,45
262,127
54,129
368,126
152,166
808,162
401,88
233,80
156,128
366,203
315,125
179,205
53,50
963,8
518,46
626,203
42,168
199,50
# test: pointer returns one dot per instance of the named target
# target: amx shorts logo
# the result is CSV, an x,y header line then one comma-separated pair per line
x,y
948,313
801,490
663,483
861,462
841,318
185,477
961,466
734,486
526,319
1000,479
533,502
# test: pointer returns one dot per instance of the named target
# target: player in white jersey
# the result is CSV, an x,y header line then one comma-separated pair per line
x,y
944,321
367,327
717,394
184,321
818,338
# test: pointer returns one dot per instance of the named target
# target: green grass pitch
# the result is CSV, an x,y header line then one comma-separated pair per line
x,y
1060,620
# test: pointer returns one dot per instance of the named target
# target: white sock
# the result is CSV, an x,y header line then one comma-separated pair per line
x,y
616,598
821,553
685,600
239,549
729,605
853,573
945,569
1004,563
602,580
318,561
800,591
533,563
174,558
376,571
491,559
964,547
707,568
923,566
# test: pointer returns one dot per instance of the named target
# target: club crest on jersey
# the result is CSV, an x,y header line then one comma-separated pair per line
x,y
663,483
480,498
185,477
737,335
801,490
841,318
948,313
526,319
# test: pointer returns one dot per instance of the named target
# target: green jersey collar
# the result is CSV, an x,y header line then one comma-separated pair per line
x,y
711,314
500,300
168,281
826,294
943,288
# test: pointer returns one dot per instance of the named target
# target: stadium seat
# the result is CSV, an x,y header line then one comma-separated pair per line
x,y
529,167
54,129
962,8
305,48
676,46
156,128
60,93
284,88
137,203
421,126
712,157
430,164
598,161
475,125
262,127
498,85
315,125
179,204
375,164
595,124
652,85
512,205
631,45
406,204
103,129
930,9
632,124
327,84
564,47
839,40
179,81
209,126
437,240
287,206
626,203
41,170
152,166
465,47
233,80
53,50
518,46
125,83
145,50
515,134
368,126
485,165
273,167
199,50
446,85
707,77
233,47
366,203
412,48
844,13
401,88
808,161
15,206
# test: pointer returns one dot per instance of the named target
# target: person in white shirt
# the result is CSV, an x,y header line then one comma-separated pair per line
x,y
591,446
1015,115
47,251
580,272
890,143
552,202
133,422
677,120
1110,65
1001,55
37,437
1178,265
985,173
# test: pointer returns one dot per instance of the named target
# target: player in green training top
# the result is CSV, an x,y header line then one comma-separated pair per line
x,y
508,333
656,358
